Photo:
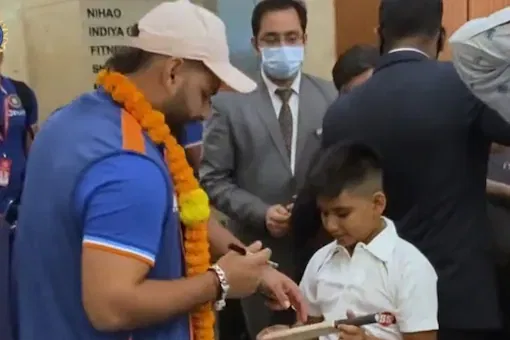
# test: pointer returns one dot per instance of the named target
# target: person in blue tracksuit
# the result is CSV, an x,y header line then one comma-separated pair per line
x,y
18,119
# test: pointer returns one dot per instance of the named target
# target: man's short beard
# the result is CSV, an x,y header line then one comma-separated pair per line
x,y
176,128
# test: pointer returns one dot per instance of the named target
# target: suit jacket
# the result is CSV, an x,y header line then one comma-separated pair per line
x,y
434,138
8,322
310,236
245,167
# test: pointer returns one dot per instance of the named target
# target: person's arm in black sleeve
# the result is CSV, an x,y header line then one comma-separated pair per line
x,y
329,135
496,129
493,126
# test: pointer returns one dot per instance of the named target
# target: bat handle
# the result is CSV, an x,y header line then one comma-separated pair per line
x,y
359,321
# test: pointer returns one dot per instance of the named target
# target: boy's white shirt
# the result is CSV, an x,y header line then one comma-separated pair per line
x,y
387,275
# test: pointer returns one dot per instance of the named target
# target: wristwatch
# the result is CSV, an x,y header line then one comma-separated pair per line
x,y
224,287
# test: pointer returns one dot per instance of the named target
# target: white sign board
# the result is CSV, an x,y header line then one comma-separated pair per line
x,y
107,24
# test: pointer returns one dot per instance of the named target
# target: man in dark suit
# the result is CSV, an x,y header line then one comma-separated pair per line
x,y
434,137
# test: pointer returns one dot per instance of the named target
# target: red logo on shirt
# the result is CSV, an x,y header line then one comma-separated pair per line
x,y
386,319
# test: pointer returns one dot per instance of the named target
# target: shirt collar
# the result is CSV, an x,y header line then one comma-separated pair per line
x,y
381,246
409,49
272,87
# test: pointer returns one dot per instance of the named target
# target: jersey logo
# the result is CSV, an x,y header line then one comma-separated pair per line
x,y
14,102
3,36
14,106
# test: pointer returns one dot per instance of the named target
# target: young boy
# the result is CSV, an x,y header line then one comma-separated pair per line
x,y
368,268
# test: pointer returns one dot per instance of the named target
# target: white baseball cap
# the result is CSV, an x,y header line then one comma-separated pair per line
x,y
184,30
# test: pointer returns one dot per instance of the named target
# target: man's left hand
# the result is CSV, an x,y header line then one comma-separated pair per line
x,y
283,293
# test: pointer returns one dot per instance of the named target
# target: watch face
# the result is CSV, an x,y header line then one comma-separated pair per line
x,y
219,305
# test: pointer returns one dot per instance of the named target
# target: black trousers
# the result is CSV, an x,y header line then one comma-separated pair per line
x,y
504,291
458,334
286,317
232,326
231,322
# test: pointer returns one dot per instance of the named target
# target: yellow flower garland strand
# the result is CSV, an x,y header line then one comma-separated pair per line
x,y
193,201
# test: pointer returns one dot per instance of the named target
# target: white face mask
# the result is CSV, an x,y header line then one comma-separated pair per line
x,y
282,62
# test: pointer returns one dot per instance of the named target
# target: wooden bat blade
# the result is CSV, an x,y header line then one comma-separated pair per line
x,y
302,332
327,327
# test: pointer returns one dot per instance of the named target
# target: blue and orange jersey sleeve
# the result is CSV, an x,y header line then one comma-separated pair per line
x,y
132,137
122,201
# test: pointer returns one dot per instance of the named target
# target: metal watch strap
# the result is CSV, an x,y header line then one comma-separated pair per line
x,y
224,287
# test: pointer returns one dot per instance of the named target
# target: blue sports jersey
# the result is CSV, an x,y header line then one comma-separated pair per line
x,y
14,123
105,187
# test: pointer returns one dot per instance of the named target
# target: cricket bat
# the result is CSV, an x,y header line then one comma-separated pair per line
x,y
327,327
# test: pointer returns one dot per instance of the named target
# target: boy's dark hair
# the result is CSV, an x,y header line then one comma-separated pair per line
x,y
400,19
126,59
344,166
267,6
352,63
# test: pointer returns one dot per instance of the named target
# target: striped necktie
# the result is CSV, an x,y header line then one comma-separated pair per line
x,y
285,117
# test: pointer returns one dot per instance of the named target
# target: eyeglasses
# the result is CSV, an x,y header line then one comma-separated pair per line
x,y
275,39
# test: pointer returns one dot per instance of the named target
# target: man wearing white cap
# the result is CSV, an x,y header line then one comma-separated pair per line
x,y
481,55
103,255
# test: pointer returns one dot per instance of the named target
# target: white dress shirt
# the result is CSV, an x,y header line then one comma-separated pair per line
x,y
409,49
294,108
481,56
387,275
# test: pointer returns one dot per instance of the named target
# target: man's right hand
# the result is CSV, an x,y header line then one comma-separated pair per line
x,y
277,220
244,273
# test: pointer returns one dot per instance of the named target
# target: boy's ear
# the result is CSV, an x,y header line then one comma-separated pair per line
x,y
379,200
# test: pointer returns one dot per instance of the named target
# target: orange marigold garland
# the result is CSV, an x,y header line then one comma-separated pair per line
x,y
193,202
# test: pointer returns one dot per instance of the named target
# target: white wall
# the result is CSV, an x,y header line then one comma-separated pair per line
x,y
321,49
15,54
